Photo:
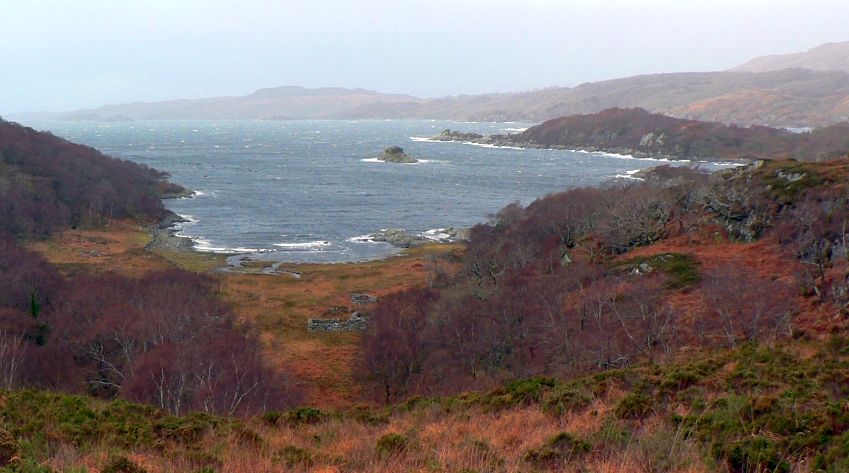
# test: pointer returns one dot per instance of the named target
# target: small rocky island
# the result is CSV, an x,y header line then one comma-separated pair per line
x,y
396,154
450,135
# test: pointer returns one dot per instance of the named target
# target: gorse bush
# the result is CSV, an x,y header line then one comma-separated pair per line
x,y
392,444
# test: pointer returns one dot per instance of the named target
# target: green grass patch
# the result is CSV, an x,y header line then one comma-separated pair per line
x,y
562,447
392,444
681,269
788,180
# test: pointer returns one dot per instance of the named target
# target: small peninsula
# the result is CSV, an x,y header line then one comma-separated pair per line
x,y
643,134
396,154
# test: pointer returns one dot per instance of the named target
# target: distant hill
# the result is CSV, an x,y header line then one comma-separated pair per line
x,y
275,103
793,97
825,57
783,98
645,134
805,89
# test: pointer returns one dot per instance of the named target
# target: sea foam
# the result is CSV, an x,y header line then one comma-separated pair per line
x,y
317,245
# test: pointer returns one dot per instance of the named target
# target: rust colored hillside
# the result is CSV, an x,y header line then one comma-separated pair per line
x,y
636,131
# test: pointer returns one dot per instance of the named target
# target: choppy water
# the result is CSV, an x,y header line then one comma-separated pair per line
x,y
305,190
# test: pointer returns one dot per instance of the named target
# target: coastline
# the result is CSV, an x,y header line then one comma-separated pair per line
x,y
181,250
503,142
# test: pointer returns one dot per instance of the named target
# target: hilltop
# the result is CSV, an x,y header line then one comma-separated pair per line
x,y
825,57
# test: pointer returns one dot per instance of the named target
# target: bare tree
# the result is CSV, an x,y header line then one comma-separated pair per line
x,y
746,306
13,349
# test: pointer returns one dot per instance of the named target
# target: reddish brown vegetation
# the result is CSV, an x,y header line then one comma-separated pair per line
x,y
640,131
47,184
163,339
564,286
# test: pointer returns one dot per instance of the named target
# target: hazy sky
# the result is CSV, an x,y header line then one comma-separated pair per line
x,y
67,54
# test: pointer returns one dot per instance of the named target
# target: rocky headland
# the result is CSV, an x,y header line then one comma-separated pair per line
x,y
642,134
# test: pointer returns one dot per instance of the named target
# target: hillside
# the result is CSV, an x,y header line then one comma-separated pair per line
x,y
786,98
644,134
47,183
750,409
782,98
147,336
592,279
825,57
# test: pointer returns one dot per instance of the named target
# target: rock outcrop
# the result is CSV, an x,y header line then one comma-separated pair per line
x,y
357,321
396,154
363,299
448,135
403,239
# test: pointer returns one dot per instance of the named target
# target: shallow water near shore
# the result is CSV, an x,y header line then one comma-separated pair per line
x,y
309,191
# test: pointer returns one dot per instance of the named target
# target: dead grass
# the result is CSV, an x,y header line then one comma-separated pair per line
x,y
280,305
118,248
435,440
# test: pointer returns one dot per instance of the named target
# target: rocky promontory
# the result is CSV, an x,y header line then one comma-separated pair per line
x,y
642,134
404,239
396,154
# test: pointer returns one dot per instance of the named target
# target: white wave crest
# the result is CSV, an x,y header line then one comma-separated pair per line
x,y
419,161
436,234
317,245
188,220
202,244
629,175
362,239
486,145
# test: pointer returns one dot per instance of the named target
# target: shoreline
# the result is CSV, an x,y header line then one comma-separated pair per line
x,y
502,142
181,250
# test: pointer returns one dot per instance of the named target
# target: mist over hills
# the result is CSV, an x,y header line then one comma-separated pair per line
x,y
825,57
272,103
804,89
794,97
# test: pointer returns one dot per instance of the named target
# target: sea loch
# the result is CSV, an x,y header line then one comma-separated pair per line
x,y
312,191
